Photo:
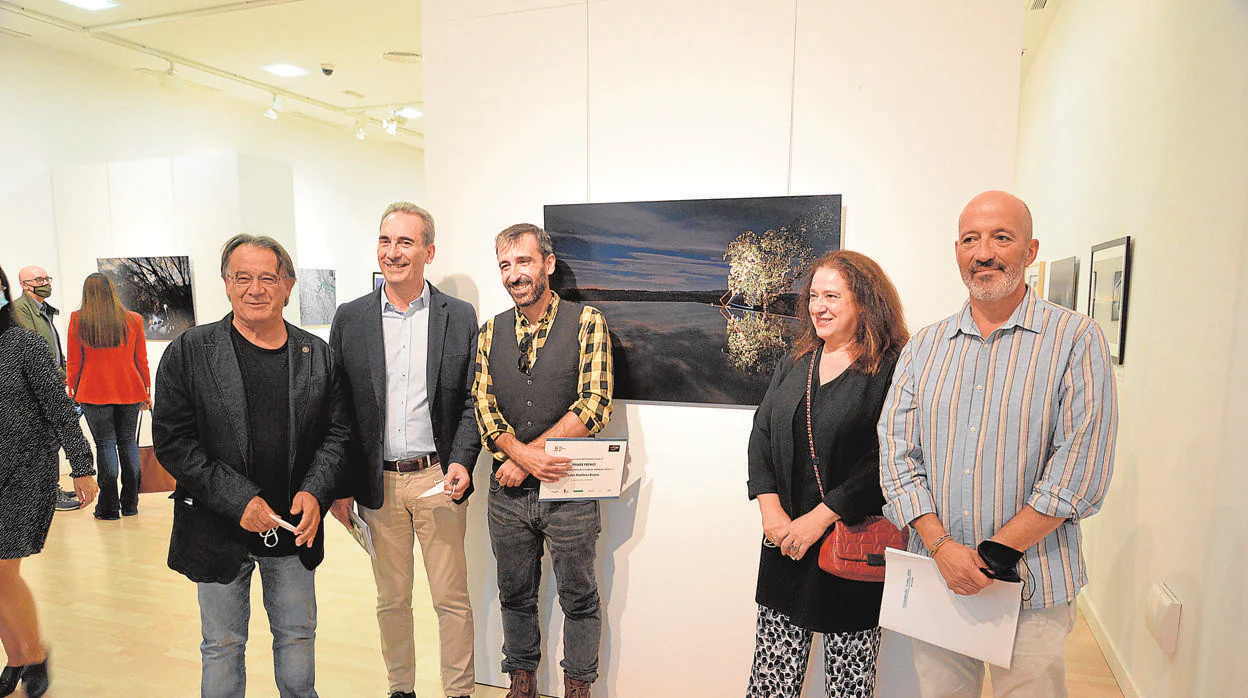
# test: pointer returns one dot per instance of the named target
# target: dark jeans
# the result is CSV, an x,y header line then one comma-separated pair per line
x,y
113,428
519,526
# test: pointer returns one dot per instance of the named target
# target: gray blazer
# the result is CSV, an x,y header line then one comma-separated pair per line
x,y
359,347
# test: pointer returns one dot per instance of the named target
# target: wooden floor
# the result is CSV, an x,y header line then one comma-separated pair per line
x,y
122,625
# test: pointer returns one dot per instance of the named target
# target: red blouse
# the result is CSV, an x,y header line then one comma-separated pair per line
x,y
113,376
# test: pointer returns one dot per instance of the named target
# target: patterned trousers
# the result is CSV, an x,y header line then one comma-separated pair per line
x,y
782,651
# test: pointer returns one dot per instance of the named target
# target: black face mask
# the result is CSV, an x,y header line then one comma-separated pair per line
x,y
1002,561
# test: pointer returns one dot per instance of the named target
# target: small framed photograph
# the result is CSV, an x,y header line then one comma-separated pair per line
x,y
378,280
1035,278
1108,290
1063,282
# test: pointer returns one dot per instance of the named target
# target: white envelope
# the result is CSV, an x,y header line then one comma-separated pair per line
x,y
919,604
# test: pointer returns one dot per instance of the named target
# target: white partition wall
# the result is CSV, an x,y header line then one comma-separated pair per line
x,y
907,108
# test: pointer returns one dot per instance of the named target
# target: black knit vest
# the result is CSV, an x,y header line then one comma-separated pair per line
x,y
531,404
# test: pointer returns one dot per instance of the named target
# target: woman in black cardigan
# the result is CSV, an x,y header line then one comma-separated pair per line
x,y
826,393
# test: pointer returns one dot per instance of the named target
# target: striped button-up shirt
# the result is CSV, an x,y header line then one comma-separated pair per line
x,y
592,407
976,428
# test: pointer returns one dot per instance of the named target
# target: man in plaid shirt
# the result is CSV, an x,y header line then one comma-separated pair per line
x,y
543,370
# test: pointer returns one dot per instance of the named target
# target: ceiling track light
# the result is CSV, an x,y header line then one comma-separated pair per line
x,y
279,103
361,121
170,79
391,125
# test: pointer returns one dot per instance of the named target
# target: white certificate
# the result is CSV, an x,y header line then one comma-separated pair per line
x,y
597,468
919,604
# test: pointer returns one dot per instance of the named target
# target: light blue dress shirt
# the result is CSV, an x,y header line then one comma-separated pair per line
x,y
409,424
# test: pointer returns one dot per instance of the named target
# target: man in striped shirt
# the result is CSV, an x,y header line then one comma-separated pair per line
x,y
543,370
996,440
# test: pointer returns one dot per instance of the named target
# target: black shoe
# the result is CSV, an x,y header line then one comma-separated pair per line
x,y
130,512
67,502
403,694
9,678
36,679
106,515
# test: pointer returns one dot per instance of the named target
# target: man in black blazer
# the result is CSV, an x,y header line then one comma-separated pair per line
x,y
249,417
405,354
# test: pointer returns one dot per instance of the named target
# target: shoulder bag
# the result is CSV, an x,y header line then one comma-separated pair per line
x,y
851,552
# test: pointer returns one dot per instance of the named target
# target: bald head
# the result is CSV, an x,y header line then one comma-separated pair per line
x,y
28,273
1002,206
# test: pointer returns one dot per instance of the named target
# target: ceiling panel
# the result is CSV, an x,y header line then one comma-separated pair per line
x,y
239,38
352,36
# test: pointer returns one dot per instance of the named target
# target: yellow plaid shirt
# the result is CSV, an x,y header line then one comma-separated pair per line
x,y
592,407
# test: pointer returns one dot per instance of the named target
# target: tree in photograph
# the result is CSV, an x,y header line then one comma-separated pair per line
x,y
763,267
756,341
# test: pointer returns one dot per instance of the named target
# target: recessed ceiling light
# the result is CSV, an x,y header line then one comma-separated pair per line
x,y
92,5
286,70
410,113
402,56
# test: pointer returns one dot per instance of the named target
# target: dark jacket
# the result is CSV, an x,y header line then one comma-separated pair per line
x,y
199,427
27,314
359,346
854,487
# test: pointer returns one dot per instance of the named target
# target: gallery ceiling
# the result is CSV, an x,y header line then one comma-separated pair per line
x,y
224,47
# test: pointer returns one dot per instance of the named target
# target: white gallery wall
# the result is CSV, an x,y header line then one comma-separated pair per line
x,y
77,118
1134,121
906,108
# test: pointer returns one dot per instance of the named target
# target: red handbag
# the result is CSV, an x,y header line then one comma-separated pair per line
x,y
852,552
857,552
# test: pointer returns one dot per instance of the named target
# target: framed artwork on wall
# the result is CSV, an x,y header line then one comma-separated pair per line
x,y
700,295
1035,278
1108,289
1063,277
378,280
157,288
318,297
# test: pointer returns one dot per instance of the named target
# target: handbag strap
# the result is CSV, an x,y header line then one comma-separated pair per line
x,y
138,427
810,432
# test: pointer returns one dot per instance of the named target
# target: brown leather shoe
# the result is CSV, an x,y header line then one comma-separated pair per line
x,y
523,684
575,688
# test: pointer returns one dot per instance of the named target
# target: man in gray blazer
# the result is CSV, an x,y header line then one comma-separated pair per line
x,y
405,357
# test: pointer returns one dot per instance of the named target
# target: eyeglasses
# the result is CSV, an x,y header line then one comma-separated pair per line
x,y
523,363
246,280
39,280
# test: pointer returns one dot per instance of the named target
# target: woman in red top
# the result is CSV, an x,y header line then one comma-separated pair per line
x,y
108,375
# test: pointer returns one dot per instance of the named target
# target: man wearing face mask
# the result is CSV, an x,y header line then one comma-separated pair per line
x,y
32,311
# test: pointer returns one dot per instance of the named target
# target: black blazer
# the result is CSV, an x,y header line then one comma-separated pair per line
x,y
357,340
199,428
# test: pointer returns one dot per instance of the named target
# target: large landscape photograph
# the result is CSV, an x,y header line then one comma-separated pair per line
x,y
700,295
158,288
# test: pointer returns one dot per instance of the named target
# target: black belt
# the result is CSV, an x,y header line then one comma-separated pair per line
x,y
411,465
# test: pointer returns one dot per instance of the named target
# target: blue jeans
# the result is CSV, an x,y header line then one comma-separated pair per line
x,y
113,429
289,592
519,525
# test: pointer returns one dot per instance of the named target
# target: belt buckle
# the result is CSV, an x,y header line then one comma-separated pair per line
x,y
415,465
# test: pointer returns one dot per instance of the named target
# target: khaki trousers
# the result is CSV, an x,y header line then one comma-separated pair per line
x,y
439,524
1037,665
